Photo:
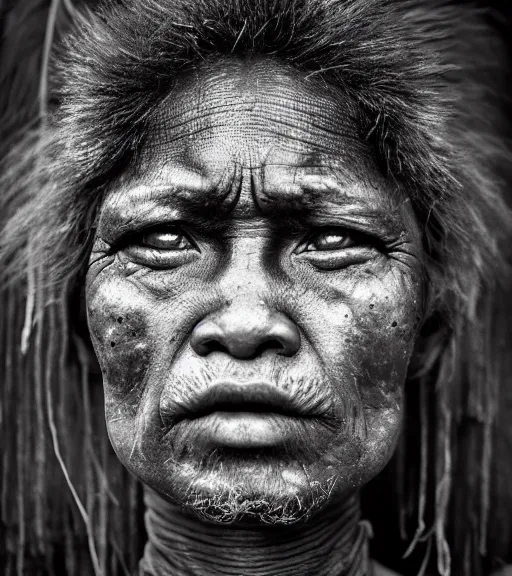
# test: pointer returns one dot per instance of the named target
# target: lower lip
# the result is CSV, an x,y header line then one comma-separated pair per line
x,y
246,429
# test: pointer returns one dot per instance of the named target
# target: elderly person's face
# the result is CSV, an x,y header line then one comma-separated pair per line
x,y
254,294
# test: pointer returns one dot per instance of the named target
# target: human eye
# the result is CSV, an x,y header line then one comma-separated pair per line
x,y
161,247
171,239
336,247
335,239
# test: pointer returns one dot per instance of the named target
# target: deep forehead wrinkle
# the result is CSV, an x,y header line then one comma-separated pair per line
x,y
135,196
281,183
242,141
182,195
212,113
175,189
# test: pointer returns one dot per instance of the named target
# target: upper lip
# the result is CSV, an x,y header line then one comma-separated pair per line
x,y
247,397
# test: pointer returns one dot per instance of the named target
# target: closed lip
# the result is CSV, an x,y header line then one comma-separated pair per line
x,y
254,397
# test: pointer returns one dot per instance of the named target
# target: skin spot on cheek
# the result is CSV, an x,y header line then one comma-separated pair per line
x,y
382,351
124,355
124,377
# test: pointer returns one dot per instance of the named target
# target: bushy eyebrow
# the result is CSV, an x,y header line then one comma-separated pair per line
x,y
183,193
311,200
315,199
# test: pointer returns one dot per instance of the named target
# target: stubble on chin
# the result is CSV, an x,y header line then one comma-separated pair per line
x,y
262,489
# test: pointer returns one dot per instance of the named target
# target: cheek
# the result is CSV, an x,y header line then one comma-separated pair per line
x,y
364,331
386,320
118,322
367,327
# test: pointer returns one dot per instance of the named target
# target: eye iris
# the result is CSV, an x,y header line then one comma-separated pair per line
x,y
330,241
164,240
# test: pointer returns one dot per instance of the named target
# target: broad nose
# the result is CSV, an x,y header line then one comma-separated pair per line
x,y
246,332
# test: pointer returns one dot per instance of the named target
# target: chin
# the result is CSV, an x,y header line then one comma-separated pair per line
x,y
260,488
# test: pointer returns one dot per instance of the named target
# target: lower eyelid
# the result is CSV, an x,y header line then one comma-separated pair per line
x,y
338,259
158,258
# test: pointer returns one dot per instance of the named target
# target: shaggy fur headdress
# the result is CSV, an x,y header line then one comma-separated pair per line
x,y
423,78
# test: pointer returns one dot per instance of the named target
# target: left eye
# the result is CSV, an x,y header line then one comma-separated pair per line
x,y
329,240
162,248
173,239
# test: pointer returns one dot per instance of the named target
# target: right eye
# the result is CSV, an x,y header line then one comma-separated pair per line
x,y
171,239
161,247
330,239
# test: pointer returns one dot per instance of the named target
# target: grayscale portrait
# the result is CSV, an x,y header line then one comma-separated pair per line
x,y
255,288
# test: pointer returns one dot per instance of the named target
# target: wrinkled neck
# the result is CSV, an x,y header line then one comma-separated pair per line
x,y
333,543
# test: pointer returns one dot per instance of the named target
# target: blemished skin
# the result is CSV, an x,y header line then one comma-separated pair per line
x,y
254,294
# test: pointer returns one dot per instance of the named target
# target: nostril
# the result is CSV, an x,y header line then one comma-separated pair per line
x,y
246,336
206,338
284,337
271,345
212,346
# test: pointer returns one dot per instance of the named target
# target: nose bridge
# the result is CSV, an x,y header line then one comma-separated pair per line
x,y
245,279
246,316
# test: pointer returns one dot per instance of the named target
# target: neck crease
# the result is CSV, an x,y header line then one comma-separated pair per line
x,y
334,543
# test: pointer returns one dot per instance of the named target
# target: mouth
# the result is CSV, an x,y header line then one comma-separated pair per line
x,y
248,415
255,397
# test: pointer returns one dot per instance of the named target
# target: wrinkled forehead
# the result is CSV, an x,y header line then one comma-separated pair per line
x,y
255,136
245,139
251,114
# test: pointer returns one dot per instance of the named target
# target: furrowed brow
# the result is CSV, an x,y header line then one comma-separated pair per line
x,y
183,196
316,200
